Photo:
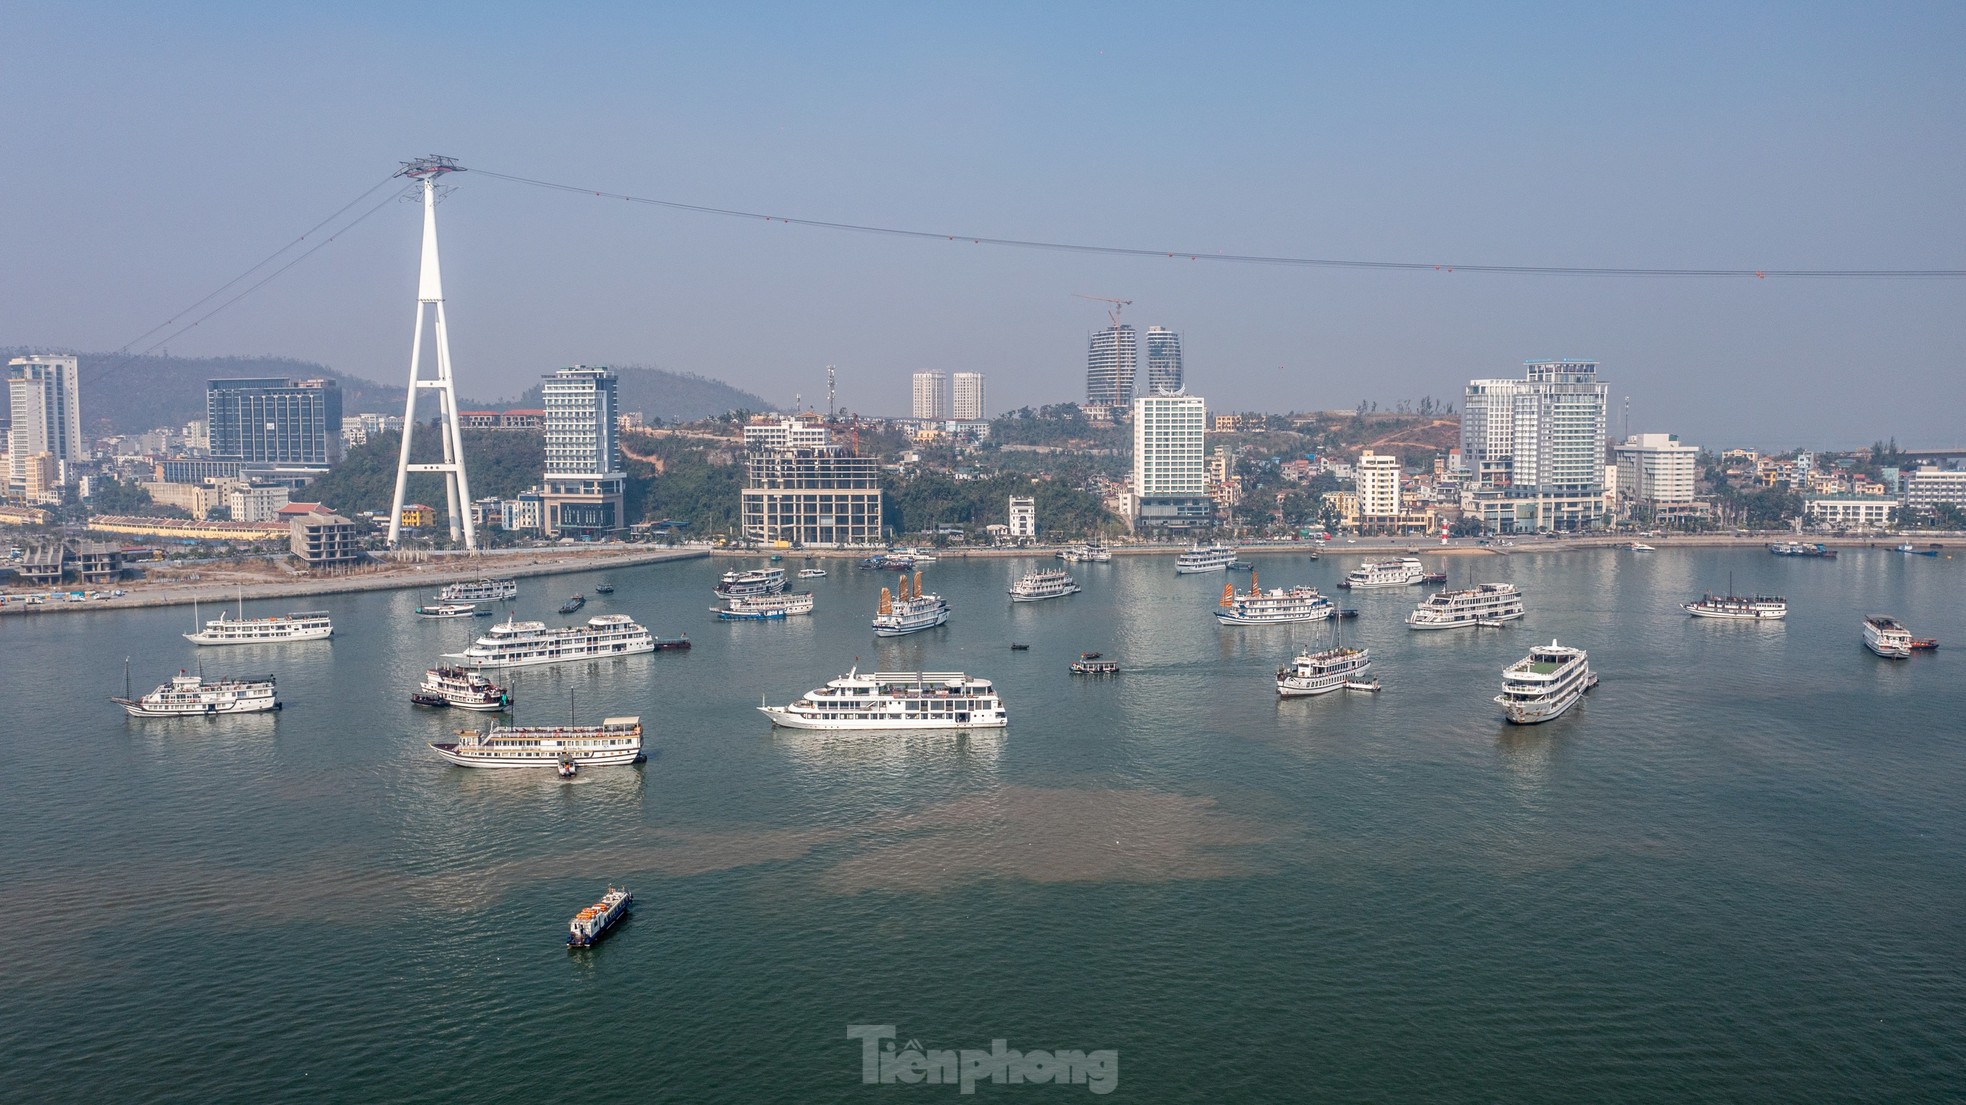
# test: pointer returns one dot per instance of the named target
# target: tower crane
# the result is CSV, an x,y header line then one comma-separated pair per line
x,y
1112,312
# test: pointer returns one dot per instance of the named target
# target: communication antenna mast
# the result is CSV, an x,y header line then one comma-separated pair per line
x,y
1626,434
430,293
832,377
1112,312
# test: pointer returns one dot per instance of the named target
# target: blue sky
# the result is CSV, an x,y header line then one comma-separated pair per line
x,y
154,153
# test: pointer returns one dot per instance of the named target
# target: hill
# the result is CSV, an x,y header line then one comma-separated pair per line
x,y
500,463
670,396
124,395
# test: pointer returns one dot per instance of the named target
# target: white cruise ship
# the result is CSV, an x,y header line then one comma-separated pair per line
x,y
1884,636
1324,672
1738,607
311,625
463,688
1278,605
618,740
909,611
1204,558
1043,585
518,644
759,608
1488,604
1545,683
189,695
895,700
756,581
448,610
1396,572
480,590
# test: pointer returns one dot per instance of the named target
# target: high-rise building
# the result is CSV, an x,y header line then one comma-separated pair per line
x,y
931,396
1376,477
1110,367
1169,476
801,489
966,397
274,422
1163,361
582,490
44,404
1657,469
1535,447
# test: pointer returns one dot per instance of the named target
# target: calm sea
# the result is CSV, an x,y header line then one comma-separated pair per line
x,y
1734,872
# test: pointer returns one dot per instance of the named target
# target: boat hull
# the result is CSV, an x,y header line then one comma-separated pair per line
x,y
781,718
609,758
1017,597
561,658
1468,622
905,628
1889,652
1519,713
1735,616
203,638
136,708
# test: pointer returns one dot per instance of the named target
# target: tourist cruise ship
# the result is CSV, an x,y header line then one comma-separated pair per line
x,y
480,590
618,740
1884,636
460,687
448,610
758,608
1278,605
1545,683
1488,604
909,611
755,581
1043,585
311,625
189,695
1738,607
895,700
1396,572
592,923
518,644
1322,672
1204,558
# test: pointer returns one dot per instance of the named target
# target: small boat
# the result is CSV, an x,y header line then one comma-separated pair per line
x,y
573,604
1924,644
592,923
775,558
1369,685
1088,656
1910,550
1640,546
569,767
1016,646
1095,667
1490,623
449,610
604,588
1348,612
1434,577
1241,566
672,644
812,573
1796,548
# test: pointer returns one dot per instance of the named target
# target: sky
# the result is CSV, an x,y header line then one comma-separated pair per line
x,y
152,153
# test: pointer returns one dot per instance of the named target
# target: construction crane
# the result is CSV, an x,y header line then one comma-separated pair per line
x,y
1112,312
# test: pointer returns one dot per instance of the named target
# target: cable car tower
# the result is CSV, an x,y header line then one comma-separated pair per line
x,y
430,293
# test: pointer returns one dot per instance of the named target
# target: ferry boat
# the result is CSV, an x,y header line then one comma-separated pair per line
x,y
1396,572
1278,605
1545,683
1738,607
188,695
909,611
1488,604
1884,636
757,608
618,740
310,625
1043,585
1323,672
460,687
756,581
573,604
480,590
1797,548
1204,558
448,610
895,700
1089,663
592,923
1086,554
518,644
812,573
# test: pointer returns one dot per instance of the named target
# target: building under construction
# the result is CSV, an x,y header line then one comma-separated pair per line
x,y
811,494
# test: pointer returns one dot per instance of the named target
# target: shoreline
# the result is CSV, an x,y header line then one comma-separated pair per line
x,y
1383,546
147,594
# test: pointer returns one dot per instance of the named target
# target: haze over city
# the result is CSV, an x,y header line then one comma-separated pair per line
x,y
158,153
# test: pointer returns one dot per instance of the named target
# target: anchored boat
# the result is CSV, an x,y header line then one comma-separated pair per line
x,y
909,611
1545,683
618,740
895,700
592,923
188,695
463,688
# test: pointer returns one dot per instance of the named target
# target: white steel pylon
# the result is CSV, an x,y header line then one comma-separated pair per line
x,y
430,293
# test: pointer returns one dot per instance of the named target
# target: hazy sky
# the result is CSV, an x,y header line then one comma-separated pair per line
x,y
152,152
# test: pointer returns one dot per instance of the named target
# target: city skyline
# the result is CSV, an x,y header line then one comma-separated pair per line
x,y
1612,139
